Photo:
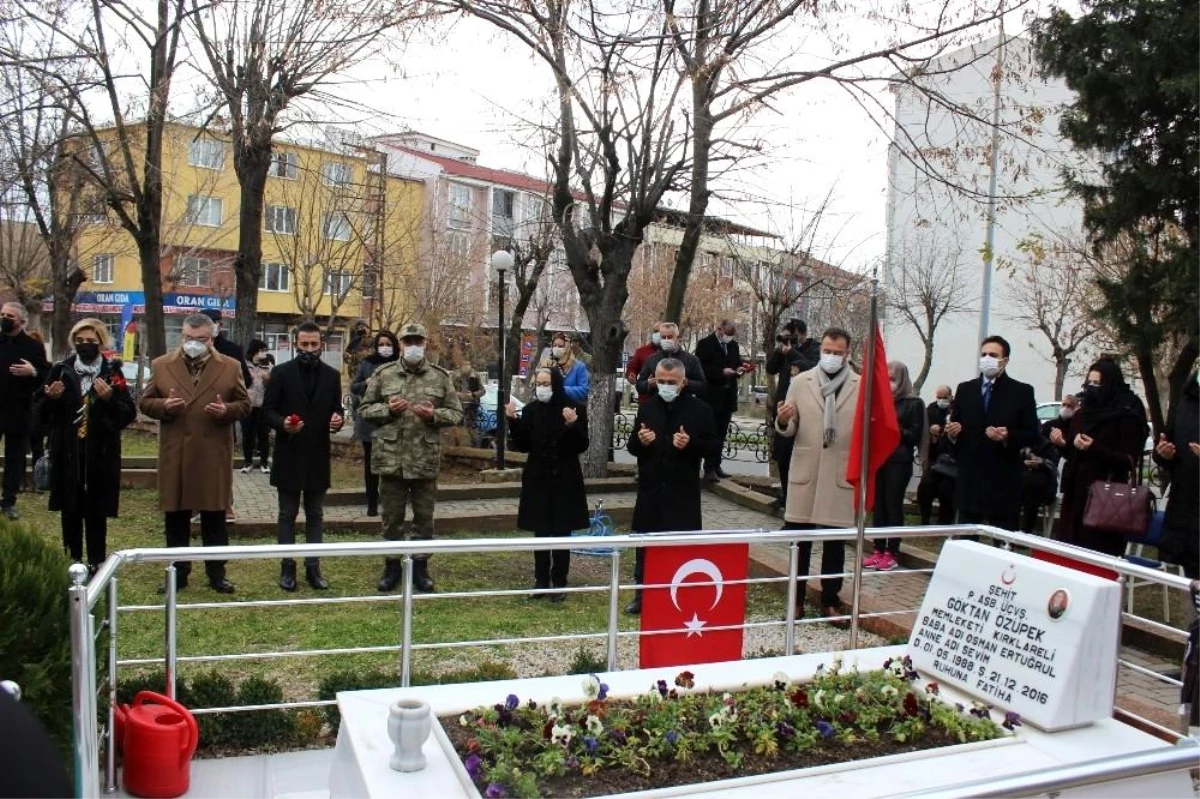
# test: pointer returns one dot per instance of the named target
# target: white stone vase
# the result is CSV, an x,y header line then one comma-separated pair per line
x,y
409,724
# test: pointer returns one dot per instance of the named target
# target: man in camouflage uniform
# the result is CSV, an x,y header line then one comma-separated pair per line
x,y
409,400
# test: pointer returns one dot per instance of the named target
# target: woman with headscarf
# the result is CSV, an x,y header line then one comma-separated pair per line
x,y
385,349
891,481
85,405
1178,452
1103,441
553,431
576,378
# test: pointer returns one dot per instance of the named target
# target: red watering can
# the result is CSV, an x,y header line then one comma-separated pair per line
x,y
158,737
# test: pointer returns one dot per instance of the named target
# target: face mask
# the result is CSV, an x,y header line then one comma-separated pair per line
x,y
7,325
1066,413
989,365
557,352
543,393
194,349
655,339
668,392
87,352
669,344
385,351
831,363
943,403
414,353
261,362
307,358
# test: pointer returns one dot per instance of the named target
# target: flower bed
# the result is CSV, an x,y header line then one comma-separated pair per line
x,y
672,735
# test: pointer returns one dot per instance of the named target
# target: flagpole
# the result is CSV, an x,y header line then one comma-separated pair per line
x,y
865,464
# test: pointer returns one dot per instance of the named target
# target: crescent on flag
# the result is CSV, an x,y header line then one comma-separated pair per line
x,y
697,566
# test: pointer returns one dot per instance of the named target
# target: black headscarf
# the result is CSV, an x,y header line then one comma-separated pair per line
x,y
375,357
546,419
1112,400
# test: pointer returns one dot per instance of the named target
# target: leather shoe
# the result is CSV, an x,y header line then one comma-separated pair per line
x,y
634,608
287,576
391,575
421,579
724,475
313,575
829,611
710,476
222,586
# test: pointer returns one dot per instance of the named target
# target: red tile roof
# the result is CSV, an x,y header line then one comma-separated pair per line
x,y
501,177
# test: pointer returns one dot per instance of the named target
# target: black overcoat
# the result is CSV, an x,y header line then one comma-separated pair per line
x,y
553,497
93,462
714,360
989,472
16,393
301,461
668,496
1181,535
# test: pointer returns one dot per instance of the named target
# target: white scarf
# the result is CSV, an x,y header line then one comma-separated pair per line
x,y
830,384
87,374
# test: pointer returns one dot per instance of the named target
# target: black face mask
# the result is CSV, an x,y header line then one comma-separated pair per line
x,y
87,352
7,325
308,359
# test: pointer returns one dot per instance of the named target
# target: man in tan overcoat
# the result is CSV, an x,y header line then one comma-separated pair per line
x,y
196,394
818,413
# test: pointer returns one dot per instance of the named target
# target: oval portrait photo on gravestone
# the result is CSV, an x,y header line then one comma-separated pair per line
x,y
1060,600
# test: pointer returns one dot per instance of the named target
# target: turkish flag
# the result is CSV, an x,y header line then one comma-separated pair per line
x,y
693,609
884,432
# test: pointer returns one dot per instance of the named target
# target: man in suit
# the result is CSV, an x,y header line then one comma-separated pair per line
x,y
721,361
23,367
994,418
196,394
303,404
794,354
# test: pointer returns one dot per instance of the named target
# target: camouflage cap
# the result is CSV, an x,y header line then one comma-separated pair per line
x,y
413,330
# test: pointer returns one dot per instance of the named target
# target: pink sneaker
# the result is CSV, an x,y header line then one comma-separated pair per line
x,y
872,561
886,562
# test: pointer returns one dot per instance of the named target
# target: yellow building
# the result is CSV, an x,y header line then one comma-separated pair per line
x,y
339,234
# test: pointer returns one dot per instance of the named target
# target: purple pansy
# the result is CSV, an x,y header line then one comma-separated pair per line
x,y
474,766
603,692
495,791
785,730
825,728
512,702
672,737
591,745
572,762
1011,720
662,688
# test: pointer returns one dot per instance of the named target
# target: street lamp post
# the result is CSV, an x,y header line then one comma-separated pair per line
x,y
502,261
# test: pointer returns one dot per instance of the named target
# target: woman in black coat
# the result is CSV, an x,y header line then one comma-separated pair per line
x,y
1178,451
85,405
1104,441
385,350
891,481
553,431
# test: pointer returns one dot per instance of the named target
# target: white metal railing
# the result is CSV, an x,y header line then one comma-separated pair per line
x,y
86,631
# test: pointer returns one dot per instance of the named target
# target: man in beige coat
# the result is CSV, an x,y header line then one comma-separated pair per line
x,y
196,394
818,413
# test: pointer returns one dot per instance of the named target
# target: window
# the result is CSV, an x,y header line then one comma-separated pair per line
x,y
204,211
460,205
336,227
280,219
336,173
504,203
370,281
206,154
284,165
338,283
192,271
274,277
102,268
458,248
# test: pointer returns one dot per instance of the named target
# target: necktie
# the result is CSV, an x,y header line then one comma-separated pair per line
x,y
987,394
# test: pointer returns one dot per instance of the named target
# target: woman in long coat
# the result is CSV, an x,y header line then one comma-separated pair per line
x,y
1103,442
553,431
85,405
1178,451
385,350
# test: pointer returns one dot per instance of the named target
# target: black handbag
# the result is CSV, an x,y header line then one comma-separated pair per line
x,y
946,466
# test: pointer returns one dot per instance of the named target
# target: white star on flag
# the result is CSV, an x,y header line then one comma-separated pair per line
x,y
694,626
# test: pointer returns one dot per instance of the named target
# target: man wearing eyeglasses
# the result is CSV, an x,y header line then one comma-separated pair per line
x,y
23,366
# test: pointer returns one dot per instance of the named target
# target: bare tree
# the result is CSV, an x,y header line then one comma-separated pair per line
x,y
533,246
24,271
925,284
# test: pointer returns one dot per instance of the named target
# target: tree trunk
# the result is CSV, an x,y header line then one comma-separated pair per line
x,y
252,164
1145,358
608,336
65,285
698,205
926,363
1181,370
153,319
1061,364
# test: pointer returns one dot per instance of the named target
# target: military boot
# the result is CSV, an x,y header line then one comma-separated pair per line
x,y
391,575
421,579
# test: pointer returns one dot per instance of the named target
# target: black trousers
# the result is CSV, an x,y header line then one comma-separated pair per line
x,y
73,527
833,561
314,518
891,482
370,478
1036,485
940,487
256,437
16,444
721,418
550,566
213,532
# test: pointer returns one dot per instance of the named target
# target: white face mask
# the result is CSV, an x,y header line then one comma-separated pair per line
x,y
1066,412
669,393
194,349
832,364
655,339
558,352
543,393
414,353
989,365
385,351
943,403
669,344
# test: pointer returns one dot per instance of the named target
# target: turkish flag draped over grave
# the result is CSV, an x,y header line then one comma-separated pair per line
x,y
884,429
692,607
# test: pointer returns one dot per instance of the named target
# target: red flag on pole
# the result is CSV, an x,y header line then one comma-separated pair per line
x,y
884,432
693,609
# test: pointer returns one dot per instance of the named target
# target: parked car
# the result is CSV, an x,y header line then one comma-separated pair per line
x,y
1047,411
759,396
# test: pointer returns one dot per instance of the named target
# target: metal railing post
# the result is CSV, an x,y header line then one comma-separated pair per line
x,y
614,607
83,685
110,735
406,633
1116,678
172,619
789,635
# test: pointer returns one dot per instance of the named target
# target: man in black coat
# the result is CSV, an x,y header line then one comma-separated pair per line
x,y
672,434
669,347
721,361
994,418
937,484
230,349
1178,451
794,352
23,367
303,404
